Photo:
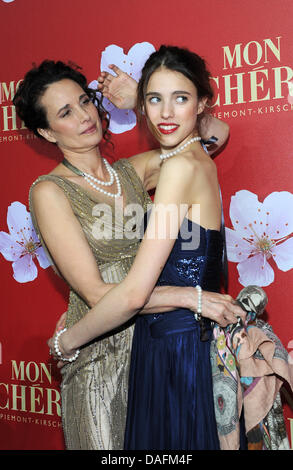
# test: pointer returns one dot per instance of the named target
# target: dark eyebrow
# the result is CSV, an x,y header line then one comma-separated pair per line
x,y
152,93
177,92
183,92
68,105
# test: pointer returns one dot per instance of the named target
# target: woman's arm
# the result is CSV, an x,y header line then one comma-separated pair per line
x,y
66,242
121,90
131,295
74,259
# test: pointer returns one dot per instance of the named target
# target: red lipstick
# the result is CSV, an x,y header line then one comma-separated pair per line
x,y
167,127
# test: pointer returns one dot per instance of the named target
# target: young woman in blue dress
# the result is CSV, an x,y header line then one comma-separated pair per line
x,y
170,392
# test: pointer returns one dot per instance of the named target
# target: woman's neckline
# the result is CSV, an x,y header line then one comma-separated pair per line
x,y
91,195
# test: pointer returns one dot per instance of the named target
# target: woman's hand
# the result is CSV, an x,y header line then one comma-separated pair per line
x,y
50,343
121,89
65,353
220,308
60,325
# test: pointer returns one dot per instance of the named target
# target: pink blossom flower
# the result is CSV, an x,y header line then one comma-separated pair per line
x,y
123,120
262,233
21,245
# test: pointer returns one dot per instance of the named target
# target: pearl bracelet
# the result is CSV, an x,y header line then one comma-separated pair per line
x,y
197,315
58,352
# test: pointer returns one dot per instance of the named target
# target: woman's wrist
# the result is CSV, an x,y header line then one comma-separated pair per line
x,y
62,348
188,298
193,298
198,313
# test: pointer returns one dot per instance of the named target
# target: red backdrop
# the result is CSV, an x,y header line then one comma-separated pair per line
x,y
249,48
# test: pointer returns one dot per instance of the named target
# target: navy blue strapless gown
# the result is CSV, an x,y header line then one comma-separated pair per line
x,y
170,403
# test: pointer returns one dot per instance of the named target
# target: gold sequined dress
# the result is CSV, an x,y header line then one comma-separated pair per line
x,y
94,387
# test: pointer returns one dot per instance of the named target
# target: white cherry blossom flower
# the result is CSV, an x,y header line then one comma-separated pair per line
x,y
123,120
21,245
262,234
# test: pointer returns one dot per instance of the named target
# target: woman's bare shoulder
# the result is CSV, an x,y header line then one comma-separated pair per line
x,y
190,161
45,191
145,164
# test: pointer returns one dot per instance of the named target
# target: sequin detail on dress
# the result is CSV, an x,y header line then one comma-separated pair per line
x,y
190,268
94,389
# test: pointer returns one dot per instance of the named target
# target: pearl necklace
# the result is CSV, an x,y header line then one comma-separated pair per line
x,y
90,178
95,181
164,156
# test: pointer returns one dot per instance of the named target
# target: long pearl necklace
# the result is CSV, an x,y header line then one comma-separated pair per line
x,y
164,156
94,182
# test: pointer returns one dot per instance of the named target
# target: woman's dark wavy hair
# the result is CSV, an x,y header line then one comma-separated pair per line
x,y
27,99
180,60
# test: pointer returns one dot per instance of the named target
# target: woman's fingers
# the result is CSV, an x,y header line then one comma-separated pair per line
x,y
61,321
120,89
50,343
221,308
116,69
224,315
60,364
106,77
104,81
230,304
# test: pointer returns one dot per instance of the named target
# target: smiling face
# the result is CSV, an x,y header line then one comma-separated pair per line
x,y
74,123
172,107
